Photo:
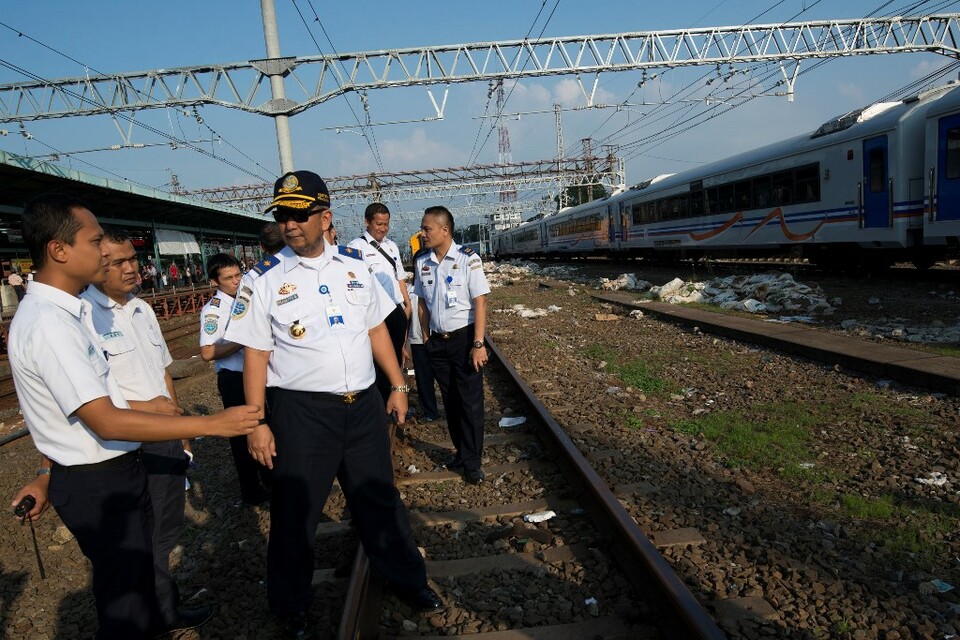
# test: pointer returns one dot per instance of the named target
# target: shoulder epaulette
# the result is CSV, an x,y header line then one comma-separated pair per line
x,y
421,252
466,250
344,250
265,265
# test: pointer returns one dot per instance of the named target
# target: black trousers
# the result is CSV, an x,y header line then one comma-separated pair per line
x,y
397,326
461,388
108,511
319,438
166,466
255,479
426,392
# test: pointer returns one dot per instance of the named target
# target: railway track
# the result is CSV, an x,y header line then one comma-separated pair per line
x,y
588,572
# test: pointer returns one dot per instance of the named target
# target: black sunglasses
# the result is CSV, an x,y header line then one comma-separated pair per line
x,y
286,215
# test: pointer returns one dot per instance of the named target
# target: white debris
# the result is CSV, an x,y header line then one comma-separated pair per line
x,y
807,465
613,390
625,281
934,478
514,421
873,300
413,469
540,516
590,602
636,313
731,511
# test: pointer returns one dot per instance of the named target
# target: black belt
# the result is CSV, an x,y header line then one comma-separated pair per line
x,y
97,466
447,335
340,398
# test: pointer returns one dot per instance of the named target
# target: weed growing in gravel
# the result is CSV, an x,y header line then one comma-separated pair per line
x,y
857,506
774,436
639,374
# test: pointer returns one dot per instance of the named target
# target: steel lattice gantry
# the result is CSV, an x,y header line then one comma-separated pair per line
x,y
245,85
456,181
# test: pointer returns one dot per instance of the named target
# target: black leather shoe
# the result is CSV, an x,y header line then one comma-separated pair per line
x,y
475,476
297,626
424,600
187,618
454,463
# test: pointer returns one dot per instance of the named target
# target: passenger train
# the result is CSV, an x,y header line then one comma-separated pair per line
x,y
872,187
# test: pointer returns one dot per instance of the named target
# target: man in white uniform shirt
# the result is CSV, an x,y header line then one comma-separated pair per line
x,y
311,327
224,273
382,256
88,438
133,344
452,290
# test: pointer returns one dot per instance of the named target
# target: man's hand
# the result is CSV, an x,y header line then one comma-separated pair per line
x,y
479,358
235,421
397,404
262,446
161,404
38,489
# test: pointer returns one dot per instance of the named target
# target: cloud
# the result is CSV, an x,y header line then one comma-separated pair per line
x,y
568,93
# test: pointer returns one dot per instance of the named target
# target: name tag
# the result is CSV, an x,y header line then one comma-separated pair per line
x,y
451,298
335,318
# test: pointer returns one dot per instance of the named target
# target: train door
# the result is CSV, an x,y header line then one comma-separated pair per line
x,y
876,196
612,232
948,169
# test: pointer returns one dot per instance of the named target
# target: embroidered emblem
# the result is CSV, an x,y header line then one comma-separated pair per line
x,y
210,324
247,290
215,302
240,307
290,184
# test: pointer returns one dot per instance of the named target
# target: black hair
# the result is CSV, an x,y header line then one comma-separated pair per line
x,y
270,238
218,262
443,213
50,217
115,235
373,209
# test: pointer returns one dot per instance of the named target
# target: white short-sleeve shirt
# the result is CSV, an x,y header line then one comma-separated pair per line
x,y
314,315
387,274
58,367
449,286
214,318
131,339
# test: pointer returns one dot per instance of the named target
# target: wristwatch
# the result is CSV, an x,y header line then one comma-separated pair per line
x,y
478,344
403,388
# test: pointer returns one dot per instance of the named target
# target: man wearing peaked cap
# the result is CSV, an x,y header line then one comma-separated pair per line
x,y
312,327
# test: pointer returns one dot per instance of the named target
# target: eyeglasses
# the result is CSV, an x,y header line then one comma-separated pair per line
x,y
286,215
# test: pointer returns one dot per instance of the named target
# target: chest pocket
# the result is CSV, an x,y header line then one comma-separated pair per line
x,y
117,346
287,317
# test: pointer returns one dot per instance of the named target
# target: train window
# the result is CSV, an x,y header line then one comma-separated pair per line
x,y
878,174
782,187
953,154
695,205
808,183
713,200
761,192
727,202
741,195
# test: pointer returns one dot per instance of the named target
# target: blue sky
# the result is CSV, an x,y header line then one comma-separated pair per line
x,y
113,37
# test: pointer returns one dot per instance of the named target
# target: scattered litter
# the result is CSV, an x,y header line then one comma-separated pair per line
x,y
411,372
934,478
636,313
590,601
540,516
197,594
789,319
613,390
807,465
514,421
731,511
884,384
553,308
934,586
413,469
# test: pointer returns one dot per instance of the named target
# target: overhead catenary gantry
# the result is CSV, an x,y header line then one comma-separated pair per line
x,y
398,186
317,79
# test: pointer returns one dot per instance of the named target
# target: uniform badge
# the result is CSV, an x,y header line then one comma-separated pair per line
x,y
210,324
287,299
240,307
297,330
247,290
290,184
287,288
456,266
215,302
351,274
324,289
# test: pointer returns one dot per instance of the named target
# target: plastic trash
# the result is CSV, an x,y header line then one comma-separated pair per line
x,y
541,516
636,313
590,601
515,421
413,469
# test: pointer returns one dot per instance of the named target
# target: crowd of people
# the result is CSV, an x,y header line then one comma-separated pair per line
x,y
309,346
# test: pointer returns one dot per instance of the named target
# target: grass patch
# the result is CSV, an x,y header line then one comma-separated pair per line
x,y
856,506
638,375
774,436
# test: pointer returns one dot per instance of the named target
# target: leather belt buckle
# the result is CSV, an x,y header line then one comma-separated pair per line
x,y
349,398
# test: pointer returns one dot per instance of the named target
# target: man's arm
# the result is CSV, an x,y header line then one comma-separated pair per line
x,y
386,359
218,351
406,298
479,356
260,443
424,319
110,422
172,393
